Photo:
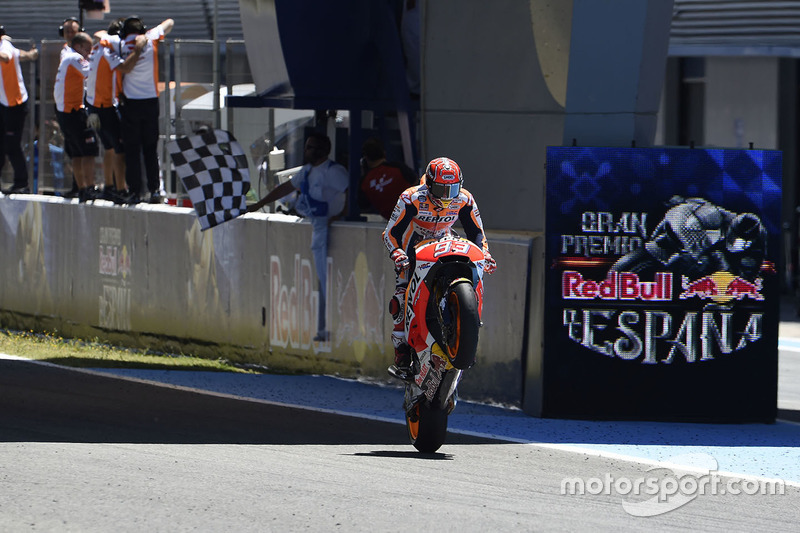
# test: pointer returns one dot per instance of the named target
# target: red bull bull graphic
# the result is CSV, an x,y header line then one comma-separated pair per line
x,y
721,287
653,312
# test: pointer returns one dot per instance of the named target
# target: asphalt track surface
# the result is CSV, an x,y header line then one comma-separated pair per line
x,y
90,452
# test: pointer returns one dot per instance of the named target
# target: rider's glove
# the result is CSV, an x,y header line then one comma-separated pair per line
x,y
400,260
489,264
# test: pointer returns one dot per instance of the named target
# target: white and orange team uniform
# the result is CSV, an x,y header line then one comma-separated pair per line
x,y
415,218
142,82
13,92
69,87
104,82
64,50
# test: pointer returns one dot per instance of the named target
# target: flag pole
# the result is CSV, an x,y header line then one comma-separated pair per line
x,y
215,67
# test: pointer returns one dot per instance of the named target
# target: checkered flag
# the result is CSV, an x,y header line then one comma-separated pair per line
x,y
213,168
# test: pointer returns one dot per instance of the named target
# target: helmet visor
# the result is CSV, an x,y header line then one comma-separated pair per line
x,y
445,191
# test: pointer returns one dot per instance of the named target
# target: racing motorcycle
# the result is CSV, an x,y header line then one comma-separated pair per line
x,y
443,315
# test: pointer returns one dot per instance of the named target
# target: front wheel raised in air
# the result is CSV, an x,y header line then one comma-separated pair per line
x,y
427,427
461,325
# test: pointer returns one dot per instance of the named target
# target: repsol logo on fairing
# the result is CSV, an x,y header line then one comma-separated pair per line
x,y
412,286
411,299
436,218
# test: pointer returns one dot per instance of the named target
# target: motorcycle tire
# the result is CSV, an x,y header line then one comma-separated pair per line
x,y
463,324
427,427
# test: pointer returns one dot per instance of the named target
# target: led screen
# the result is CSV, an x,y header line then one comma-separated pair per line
x,y
660,286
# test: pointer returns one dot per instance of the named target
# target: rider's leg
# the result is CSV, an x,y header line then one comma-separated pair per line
x,y
397,308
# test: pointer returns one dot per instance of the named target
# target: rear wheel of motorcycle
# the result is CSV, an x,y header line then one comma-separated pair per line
x,y
427,427
462,330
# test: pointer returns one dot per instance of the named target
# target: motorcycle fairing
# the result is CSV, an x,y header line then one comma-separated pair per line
x,y
438,265
441,260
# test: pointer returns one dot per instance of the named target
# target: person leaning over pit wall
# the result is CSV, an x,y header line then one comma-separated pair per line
x,y
13,110
322,184
382,181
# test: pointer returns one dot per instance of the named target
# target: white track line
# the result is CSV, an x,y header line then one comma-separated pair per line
x,y
561,447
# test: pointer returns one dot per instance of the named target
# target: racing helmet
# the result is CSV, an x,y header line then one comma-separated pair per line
x,y
443,179
745,230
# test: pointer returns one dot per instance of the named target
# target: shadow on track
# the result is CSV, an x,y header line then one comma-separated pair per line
x,y
436,456
42,403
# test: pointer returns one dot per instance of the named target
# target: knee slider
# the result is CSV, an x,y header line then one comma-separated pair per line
x,y
397,302
395,307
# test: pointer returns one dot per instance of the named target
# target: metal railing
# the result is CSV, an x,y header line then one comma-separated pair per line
x,y
186,71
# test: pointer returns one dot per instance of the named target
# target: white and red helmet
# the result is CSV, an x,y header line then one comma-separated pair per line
x,y
443,179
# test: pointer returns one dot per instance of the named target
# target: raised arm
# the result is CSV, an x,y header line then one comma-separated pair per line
x,y
275,194
29,55
167,25
130,61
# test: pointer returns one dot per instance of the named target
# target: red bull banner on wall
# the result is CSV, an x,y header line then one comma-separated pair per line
x,y
660,284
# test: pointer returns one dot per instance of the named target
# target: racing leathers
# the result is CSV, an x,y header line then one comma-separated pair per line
x,y
415,218
697,238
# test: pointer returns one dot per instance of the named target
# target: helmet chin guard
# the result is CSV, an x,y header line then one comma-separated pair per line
x,y
443,179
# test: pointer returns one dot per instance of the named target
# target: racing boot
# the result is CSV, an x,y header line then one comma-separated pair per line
x,y
401,369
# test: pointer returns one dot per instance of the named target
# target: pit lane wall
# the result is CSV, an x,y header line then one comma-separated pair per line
x,y
147,277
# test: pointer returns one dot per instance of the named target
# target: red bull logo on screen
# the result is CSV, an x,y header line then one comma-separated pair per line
x,y
721,287
657,327
617,286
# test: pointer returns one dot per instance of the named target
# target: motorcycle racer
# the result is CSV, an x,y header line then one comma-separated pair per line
x,y
697,238
428,211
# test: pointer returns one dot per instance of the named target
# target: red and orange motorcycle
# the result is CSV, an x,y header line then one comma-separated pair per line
x,y
444,301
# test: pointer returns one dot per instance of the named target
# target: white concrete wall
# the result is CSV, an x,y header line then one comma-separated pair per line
x,y
245,290
504,80
493,94
741,102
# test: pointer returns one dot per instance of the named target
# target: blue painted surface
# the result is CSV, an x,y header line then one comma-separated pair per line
x,y
764,450
789,344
